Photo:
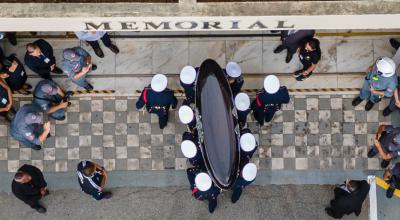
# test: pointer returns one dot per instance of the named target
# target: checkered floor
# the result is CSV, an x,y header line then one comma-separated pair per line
x,y
312,132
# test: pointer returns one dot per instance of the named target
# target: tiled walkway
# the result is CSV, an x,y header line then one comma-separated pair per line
x,y
312,132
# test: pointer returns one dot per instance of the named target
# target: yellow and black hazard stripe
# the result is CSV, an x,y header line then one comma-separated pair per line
x,y
380,182
81,92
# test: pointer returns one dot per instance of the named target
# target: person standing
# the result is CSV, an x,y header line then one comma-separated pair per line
x,y
39,57
242,104
248,145
158,99
187,80
51,99
247,176
29,186
92,179
309,55
186,116
13,72
192,152
92,38
203,188
292,40
269,100
77,64
392,177
29,128
6,101
349,198
233,73
386,143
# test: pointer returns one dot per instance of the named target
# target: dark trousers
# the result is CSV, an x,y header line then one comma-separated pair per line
x,y
106,41
8,115
237,192
34,204
262,116
162,119
392,105
212,204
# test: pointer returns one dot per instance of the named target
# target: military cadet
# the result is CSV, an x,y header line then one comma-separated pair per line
x,y
247,176
51,99
92,179
77,64
292,40
186,116
386,143
187,80
91,37
248,145
269,99
242,103
29,186
233,72
29,128
6,101
13,72
202,187
309,55
191,151
40,59
392,177
158,98
380,82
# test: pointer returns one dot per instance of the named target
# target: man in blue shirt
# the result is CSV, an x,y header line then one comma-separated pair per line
x,y
92,179
386,143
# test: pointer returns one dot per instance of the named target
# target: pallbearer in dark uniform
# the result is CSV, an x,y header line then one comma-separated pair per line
x,y
14,73
158,99
233,73
203,188
247,176
186,116
6,103
392,177
92,179
29,186
248,146
187,79
269,99
242,103
191,151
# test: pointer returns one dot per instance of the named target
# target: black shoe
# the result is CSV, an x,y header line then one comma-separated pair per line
x,y
212,206
385,163
394,43
27,86
369,105
386,111
89,87
289,57
41,209
36,147
389,192
371,153
48,135
68,95
279,49
57,70
329,211
107,195
114,48
99,52
297,73
356,101
12,38
94,67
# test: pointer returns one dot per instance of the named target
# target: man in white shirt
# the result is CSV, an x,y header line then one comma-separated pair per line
x,y
93,36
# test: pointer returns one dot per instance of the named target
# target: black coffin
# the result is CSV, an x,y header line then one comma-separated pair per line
x,y
216,124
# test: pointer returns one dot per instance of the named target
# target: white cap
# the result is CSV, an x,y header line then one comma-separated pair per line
x,y
233,69
185,114
386,66
242,101
247,142
203,181
188,75
271,84
159,82
188,149
249,172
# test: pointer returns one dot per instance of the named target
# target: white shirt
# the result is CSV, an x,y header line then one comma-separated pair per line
x,y
90,35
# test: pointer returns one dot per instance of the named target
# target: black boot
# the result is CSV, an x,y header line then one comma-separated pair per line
x,y
289,57
369,105
394,43
279,49
99,52
371,153
356,101
41,209
385,163
386,111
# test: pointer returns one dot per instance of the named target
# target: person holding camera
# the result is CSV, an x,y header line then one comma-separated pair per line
x,y
51,99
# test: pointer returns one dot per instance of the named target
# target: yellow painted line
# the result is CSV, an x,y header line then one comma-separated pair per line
x,y
380,182
352,34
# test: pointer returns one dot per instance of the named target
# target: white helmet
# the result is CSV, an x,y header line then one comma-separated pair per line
x,y
386,66
233,69
247,142
185,114
188,149
203,181
249,172
242,101
188,75
271,84
159,82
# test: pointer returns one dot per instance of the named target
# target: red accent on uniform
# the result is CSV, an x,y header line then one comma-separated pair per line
x,y
258,101
195,190
145,95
